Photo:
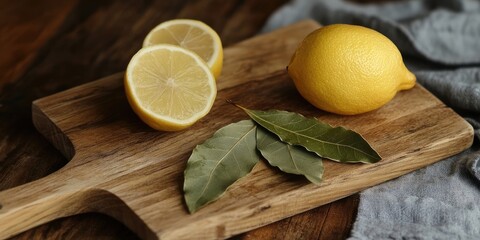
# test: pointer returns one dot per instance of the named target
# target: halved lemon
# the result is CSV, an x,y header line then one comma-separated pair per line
x,y
168,87
193,35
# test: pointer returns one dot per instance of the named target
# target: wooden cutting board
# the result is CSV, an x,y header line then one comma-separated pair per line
x,y
123,168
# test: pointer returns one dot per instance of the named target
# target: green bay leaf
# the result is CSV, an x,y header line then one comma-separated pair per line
x,y
289,158
334,143
219,162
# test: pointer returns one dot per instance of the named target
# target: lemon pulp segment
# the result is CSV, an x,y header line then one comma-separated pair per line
x,y
168,87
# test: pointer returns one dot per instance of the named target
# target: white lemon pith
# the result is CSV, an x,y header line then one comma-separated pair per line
x,y
347,69
192,35
168,87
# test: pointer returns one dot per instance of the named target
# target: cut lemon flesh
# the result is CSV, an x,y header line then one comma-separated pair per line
x,y
193,35
168,87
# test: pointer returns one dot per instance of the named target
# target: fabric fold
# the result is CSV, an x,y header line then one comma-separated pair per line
x,y
418,28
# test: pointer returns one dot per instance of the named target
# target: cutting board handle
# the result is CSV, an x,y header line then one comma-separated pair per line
x,y
38,202
56,196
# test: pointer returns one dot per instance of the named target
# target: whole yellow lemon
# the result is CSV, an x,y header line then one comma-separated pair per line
x,y
348,69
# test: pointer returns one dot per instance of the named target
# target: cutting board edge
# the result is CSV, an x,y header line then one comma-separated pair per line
x,y
51,131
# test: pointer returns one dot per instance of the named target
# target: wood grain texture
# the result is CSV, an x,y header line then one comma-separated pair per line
x,y
20,39
124,169
325,222
20,144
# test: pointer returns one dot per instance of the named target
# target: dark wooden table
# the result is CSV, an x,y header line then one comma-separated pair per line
x,y
49,46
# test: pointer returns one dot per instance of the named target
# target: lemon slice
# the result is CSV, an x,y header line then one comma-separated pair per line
x,y
168,87
193,35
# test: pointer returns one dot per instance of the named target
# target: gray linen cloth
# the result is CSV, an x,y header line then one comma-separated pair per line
x,y
440,42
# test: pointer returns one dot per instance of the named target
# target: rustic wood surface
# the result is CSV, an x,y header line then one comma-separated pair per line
x,y
49,46
133,173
